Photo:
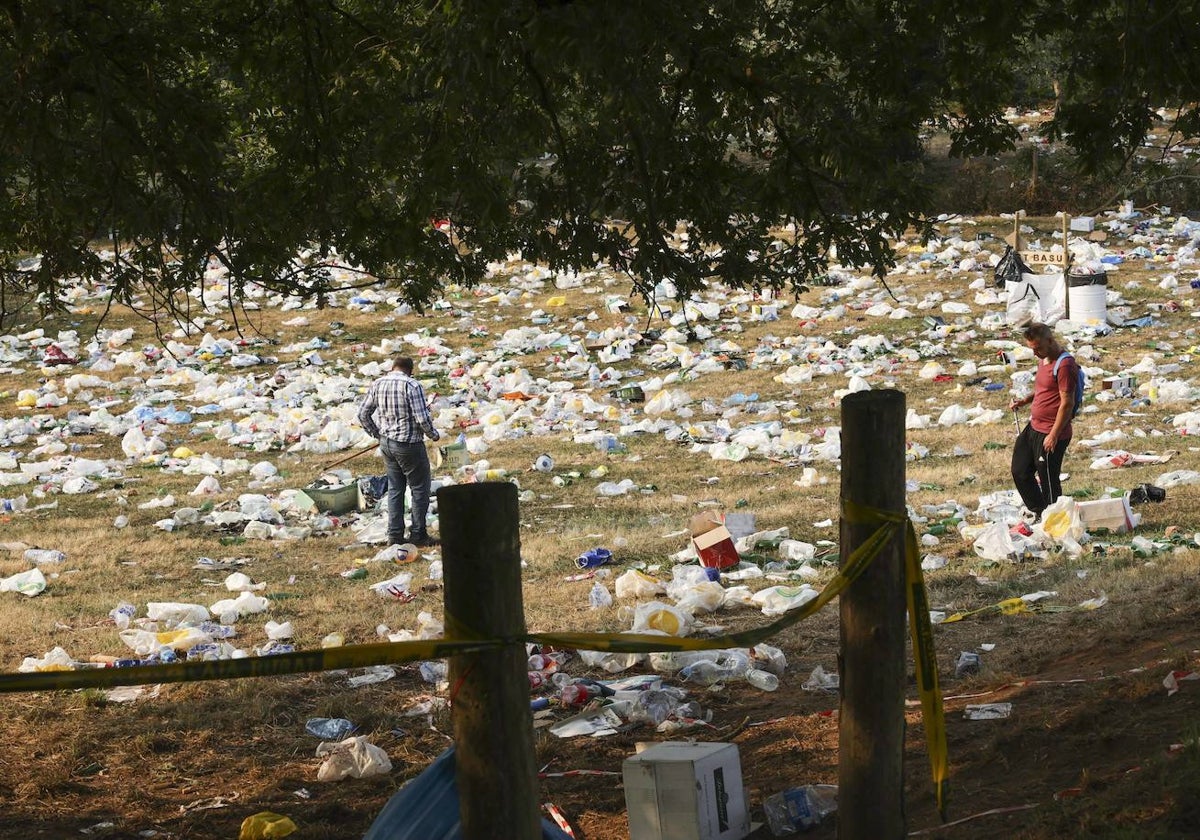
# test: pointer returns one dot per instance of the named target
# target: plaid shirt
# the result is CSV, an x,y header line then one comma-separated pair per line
x,y
403,414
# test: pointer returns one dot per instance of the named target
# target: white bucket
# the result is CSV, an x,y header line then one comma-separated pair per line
x,y
1088,298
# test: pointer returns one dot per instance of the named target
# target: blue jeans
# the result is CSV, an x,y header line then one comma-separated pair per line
x,y
407,466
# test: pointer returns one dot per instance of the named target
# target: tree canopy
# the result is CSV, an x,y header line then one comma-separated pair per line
x,y
421,140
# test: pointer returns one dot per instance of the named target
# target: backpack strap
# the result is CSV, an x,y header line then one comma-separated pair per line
x,y
1058,361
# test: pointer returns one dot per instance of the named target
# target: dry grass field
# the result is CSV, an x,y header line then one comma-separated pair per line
x,y
1095,746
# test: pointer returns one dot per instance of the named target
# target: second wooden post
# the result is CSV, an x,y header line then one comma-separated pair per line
x,y
873,627
493,727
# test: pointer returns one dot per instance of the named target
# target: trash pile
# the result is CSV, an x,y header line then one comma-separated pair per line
x,y
610,381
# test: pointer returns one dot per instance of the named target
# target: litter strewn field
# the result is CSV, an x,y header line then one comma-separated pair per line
x,y
174,500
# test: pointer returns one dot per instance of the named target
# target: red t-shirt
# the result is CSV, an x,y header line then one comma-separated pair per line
x,y
1047,394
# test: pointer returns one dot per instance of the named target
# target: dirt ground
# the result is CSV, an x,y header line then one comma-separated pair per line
x,y
1088,750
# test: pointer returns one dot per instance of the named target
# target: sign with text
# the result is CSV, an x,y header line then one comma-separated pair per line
x,y
1036,258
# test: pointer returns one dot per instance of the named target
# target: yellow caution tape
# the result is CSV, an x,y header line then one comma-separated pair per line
x,y
925,661
299,662
1009,606
466,641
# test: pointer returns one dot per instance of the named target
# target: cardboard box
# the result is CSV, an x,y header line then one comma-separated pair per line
x,y
1083,224
705,521
1118,383
1114,515
686,791
716,548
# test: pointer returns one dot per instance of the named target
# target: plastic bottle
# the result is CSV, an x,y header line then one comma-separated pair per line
x,y
38,556
763,680
579,694
706,673
122,614
800,808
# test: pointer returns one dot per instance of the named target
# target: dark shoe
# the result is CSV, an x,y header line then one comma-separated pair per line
x,y
1146,493
424,540
400,540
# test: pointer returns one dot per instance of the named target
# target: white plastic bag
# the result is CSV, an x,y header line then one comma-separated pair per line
x,y
31,582
954,415
613,663
230,610
172,614
656,616
207,487
1061,522
354,757
635,584
777,600
797,550
394,588
144,642
703,597
995,543
599,598
241,582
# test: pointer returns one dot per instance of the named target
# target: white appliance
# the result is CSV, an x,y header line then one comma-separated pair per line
x,y
680,790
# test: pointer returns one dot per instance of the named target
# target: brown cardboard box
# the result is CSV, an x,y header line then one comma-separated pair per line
x,y
705,521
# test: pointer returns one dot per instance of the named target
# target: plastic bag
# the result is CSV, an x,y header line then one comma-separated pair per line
x,y
354,757
953,415
229,610
996,543
613,663
144,642
635,584
780,599
1010,268
173,614
664,618
703,597
266,825
1061,522
599,598
31,583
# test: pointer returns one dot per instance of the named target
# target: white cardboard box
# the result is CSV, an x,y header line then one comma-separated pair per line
x,y
684,791
1083,224
1113,514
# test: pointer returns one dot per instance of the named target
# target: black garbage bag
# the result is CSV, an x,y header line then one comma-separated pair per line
x,y
1010,267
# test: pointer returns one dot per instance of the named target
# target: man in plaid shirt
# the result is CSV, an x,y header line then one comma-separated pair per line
x,y
396,412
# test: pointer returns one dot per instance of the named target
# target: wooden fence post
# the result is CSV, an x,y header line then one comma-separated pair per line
x,y
873,627
493,726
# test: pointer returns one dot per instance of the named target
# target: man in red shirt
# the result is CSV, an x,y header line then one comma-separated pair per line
x,y
1038,453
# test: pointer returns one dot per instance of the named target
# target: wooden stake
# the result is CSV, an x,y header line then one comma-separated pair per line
x,y
1066,268
873,631
351,456
1033,173
489,692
